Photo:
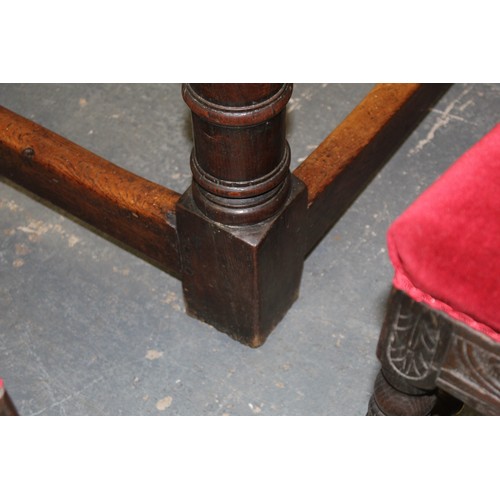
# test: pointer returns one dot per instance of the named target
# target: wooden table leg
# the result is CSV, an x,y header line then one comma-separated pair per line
x,y
240,222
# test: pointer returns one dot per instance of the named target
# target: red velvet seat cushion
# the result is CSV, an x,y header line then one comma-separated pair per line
x,y
446,246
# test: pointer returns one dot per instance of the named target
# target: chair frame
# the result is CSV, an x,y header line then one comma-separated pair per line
x,y
247,293
422,350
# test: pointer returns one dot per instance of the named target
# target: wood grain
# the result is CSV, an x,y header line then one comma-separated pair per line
x,y
345,162
240,160
136,212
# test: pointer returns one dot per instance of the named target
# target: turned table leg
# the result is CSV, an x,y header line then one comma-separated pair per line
x,y
240,223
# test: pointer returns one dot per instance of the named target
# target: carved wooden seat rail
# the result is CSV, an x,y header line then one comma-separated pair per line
x,y
422,350
237,238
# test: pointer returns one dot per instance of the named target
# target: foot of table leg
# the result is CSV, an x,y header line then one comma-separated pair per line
x,y
242,279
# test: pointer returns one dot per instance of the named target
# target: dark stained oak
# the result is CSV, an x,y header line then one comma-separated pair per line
x,y
241,159
422,350
387,400
240,223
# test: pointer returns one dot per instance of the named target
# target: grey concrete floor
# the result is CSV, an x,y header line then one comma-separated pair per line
x,y
87,328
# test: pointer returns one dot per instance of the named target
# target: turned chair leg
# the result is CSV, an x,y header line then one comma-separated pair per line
x,y
411,347
387,400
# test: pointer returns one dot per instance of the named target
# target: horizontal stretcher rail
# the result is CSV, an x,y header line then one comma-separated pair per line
x,y
133,210
345,162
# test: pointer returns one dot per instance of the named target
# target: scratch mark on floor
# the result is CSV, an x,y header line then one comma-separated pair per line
x,y
466,105
41,368
70,396
442,121
453,117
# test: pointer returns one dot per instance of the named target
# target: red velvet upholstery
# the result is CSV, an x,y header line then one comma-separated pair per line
x,y
446,246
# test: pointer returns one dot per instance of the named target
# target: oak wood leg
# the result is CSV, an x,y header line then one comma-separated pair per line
x,y
387,400
417,351
240,223
411,344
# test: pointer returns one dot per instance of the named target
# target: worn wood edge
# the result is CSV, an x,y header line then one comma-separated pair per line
x,y
338,170
462,372
130,209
